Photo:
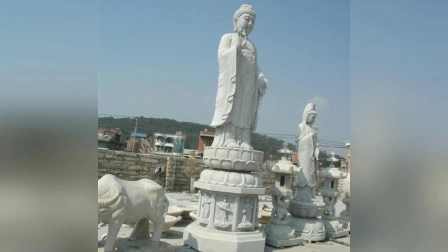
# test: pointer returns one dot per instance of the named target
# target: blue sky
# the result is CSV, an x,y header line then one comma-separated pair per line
x,y
159,59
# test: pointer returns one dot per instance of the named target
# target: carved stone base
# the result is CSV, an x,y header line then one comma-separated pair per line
x,y
309,229
202,239
126,245
278,235
284,243
233,158
334,229
306,209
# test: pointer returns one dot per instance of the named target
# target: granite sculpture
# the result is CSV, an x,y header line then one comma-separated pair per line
x,y
304,206
330,193
229,190
307,180
278,232
131,202
344,217
241,85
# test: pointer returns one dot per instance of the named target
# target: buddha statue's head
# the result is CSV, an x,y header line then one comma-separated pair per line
x,y
244,18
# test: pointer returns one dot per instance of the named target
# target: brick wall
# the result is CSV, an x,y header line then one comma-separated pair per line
x,y
177,174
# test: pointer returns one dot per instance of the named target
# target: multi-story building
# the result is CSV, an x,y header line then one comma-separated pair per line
x,y
169,143
112,138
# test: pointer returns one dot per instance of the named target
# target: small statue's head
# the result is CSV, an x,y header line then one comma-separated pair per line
x,y
244,18
311,118
309,114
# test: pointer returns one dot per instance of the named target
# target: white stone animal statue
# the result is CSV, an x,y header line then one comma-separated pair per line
x,y
131,202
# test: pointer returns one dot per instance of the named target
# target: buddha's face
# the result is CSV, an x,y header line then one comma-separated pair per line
x,y
246,22
311,118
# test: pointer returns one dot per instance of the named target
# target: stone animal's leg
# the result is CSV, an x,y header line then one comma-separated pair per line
x,y
158,228
112,233
141,230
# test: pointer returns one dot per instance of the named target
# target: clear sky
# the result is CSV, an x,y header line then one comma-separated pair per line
x,y
159,59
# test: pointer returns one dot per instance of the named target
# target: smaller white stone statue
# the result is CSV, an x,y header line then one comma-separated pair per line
x,y
306,181
131,202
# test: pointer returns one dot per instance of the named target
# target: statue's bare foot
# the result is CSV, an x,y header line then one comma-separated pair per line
x,y
246,146
232,144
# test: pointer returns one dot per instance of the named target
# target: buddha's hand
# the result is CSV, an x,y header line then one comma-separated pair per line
x,y
263,85
242,39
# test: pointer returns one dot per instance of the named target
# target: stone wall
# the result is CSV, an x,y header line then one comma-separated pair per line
x,y
177,174
135,166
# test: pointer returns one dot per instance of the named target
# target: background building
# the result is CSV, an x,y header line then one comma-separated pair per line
x,y
169,143
205,139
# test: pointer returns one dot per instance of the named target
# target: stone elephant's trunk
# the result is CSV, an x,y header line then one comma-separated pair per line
x,y
105,202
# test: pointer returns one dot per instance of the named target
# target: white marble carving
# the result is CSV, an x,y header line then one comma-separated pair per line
x,y
278,232
304,202
233,223
241,85
307,179
246,213
224,213
333,227
128,202
233,158
233,179
205,208
304,206
344,217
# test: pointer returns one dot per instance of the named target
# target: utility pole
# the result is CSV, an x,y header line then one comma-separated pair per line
x,y
135,133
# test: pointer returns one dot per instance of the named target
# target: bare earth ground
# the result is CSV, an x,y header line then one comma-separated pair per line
x,y
174,235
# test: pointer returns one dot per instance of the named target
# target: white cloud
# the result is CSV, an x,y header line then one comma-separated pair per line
x,y
319,101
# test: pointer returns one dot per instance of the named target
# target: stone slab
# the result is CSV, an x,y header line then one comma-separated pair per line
x,y
284,243
229,189
337,234
202,239
335,229
126,245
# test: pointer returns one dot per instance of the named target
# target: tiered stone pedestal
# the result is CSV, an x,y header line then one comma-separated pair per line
x,y
228,202
304,219
282,236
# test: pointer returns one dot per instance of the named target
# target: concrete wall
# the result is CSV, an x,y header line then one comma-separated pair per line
x,y
177,170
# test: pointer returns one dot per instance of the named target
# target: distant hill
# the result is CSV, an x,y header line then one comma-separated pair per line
x,y
263,143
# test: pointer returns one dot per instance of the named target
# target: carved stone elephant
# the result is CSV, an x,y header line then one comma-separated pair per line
x,y
131,202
